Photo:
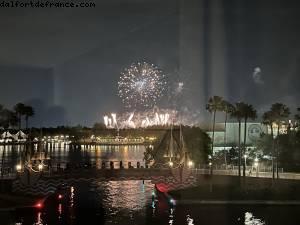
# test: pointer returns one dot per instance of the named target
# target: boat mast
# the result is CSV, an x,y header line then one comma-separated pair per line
x,y
183,149
171,145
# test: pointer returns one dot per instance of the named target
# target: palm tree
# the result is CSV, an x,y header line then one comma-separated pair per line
x,y
238,114
28,112
19,109
214,104
297,118
280,113
227,108
1,115
268,120
8,118
248,113
2,124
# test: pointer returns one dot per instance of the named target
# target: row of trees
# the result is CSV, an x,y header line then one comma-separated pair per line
x,y
244,112
13,118
276,115
241,111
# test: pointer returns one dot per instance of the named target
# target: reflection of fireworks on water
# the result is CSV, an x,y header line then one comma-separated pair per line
x,y
142,84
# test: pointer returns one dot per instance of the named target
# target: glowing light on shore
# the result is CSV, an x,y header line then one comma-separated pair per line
x,y
18,167
40,167
190,164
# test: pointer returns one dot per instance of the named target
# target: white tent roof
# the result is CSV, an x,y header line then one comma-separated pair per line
x,y
6,134
21,134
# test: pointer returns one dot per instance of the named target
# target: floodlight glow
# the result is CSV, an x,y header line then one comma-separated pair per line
x,y
19,167
40,166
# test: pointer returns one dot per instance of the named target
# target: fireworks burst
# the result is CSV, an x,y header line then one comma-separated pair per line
x,y
141,85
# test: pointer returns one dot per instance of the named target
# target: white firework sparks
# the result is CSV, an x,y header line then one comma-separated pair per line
x,y
141,85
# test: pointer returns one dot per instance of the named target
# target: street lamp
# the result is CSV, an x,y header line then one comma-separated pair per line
x,y
245,157
171,164
210,168
256,165
40,167
19,167
190,164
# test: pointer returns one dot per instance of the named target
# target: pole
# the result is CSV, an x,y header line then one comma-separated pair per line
x,y
239,163
245,162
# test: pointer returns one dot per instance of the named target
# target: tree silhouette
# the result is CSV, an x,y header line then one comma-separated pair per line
x,y
268,120
280,112
227,108
248,113
19,109
214,104
28,112
238,115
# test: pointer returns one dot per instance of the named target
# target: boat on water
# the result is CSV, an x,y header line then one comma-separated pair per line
x,y
177,159
117,140
34,160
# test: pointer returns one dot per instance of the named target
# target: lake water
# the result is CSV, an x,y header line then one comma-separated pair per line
x,y
131,202
95,155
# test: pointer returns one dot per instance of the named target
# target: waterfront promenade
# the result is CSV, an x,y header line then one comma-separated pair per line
x,y
259,174
145,172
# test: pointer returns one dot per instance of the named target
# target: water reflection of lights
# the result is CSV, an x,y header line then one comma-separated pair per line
x,y
189,220
171,216
251,220
59,210
39,220
125,194
72,196
71,208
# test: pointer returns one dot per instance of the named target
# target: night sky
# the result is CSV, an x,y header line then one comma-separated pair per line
x,y
67,62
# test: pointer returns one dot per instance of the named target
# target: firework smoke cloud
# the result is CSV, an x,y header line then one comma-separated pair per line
x,y
257,76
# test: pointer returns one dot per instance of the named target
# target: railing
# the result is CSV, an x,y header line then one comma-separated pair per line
x,y
231,167
233,171
7,173
262,174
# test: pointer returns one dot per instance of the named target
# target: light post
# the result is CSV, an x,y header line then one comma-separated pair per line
x,y
19,168
210,179
210,164
245,157
210,168
190,164
40,167
256,166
